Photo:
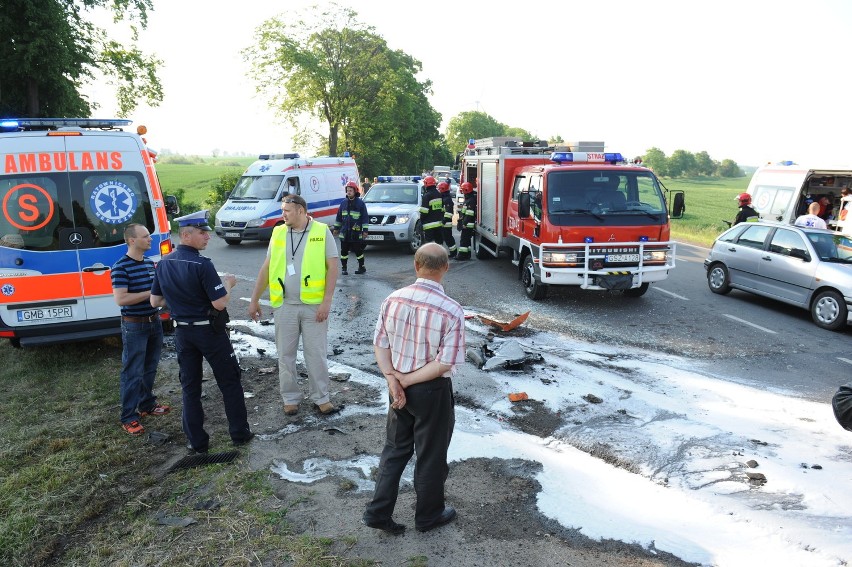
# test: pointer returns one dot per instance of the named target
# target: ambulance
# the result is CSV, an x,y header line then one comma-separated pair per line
x,y
253,208
782,191
68,188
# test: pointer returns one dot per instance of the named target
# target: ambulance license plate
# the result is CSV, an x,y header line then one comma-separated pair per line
x,y
622,258
44,314
375,237
232,235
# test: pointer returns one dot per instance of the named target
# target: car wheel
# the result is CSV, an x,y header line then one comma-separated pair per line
x,y
416,238
533,288
233,241
828,310
636,291
718,279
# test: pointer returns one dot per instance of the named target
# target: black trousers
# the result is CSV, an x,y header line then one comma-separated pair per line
x,y
433,235
356,247
424,425
449,239
193,344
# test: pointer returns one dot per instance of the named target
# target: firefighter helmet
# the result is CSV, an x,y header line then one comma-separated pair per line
x,y
744,199
354,186
429,181
466,188
443,186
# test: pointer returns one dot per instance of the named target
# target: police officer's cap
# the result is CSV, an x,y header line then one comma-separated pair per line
x,y
197,219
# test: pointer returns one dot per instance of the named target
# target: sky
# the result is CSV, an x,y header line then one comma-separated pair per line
x,y
689,431
756,82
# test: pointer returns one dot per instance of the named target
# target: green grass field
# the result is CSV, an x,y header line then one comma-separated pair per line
x,y
197,178
708,202
708,199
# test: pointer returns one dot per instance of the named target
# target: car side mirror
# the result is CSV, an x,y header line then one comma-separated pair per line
x,y
524,205
172,206
800,254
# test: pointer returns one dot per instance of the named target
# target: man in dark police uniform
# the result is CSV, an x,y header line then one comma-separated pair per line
x,y
188,284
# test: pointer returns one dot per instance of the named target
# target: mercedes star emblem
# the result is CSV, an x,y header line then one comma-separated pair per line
x,y
75,238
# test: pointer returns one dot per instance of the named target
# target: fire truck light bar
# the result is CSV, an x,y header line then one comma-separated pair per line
x,y
586,157
391,178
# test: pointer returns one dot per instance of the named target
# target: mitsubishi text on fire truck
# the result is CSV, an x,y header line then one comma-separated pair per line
x,y
572,218
68,188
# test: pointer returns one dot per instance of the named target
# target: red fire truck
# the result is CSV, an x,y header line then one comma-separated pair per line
x,y
577,218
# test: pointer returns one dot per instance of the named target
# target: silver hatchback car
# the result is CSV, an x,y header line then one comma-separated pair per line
x,y
807,267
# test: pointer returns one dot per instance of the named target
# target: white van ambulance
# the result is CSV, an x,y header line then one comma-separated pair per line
x,y
68,188
253,208
782,191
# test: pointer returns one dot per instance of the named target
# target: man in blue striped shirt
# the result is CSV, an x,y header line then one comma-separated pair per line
x,y
141,330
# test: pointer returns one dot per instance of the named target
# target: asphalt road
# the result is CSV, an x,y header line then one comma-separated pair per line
x,y
740,337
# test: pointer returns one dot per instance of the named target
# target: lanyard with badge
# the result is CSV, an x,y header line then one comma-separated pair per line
x,y
291,268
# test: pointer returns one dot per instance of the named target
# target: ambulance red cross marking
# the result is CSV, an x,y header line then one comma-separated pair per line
x,y
30,205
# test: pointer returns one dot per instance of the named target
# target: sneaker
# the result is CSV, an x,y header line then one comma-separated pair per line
x,y
361,270
158,409
344,272
133,428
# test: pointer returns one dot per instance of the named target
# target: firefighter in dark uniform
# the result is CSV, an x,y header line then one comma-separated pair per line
x,y
187,283
431,211
467,220
745,212
447,228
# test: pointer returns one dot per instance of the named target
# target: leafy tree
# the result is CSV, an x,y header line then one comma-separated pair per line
x,y
704,165
330,67
519,133
471,124
555,140
217,196
681,163
729,168
50,50
656,159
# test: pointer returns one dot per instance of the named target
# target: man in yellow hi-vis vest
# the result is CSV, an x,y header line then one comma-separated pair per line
x,y
300,271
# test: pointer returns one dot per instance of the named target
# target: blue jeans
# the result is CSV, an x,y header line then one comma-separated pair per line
x,y
143,343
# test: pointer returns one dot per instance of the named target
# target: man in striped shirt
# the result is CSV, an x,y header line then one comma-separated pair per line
x,y
141,330
418,341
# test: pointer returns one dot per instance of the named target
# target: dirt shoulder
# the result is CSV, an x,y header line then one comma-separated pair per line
x,y
498,521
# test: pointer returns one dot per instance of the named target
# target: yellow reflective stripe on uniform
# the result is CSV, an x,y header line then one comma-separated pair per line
x,y
312,285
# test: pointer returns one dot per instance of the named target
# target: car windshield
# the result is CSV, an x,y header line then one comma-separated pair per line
x,y
406,193
257,187
831,247
605,192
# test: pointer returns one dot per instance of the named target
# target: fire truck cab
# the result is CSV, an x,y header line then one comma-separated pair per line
x,y
575,218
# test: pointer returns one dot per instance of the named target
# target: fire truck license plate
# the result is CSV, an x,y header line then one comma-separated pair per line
x,y
44,313
375,237
232,235
621,258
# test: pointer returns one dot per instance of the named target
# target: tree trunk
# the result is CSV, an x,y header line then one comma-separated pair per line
x,y
32,98
332,141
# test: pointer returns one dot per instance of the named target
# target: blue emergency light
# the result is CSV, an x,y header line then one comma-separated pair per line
x,y
393,178
586,157
15,124
588,239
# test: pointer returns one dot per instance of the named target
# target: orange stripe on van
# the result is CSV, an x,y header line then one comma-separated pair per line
x,y
97,283
43,288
